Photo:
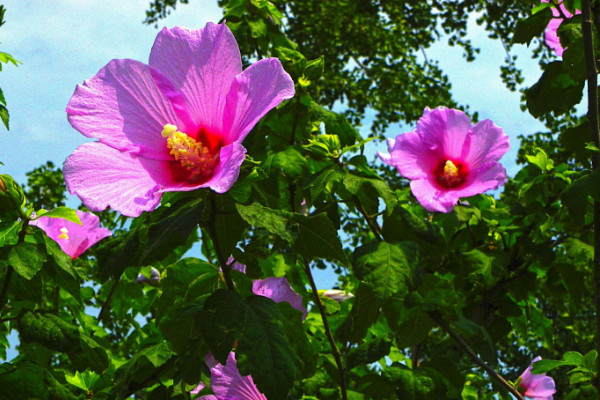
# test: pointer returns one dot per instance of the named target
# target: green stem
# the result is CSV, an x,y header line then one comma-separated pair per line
x,y
592,116
212,230
438,319
107,301
334,349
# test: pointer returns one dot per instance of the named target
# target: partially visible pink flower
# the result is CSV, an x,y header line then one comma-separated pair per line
x,y
278,290
227,383
551,32
536,387
152,280
73,238
176,124
446,158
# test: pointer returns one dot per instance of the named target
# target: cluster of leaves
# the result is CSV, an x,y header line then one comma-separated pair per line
x,y
510,276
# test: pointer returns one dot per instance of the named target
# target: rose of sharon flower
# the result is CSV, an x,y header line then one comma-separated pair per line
x,y
73,238
551,32
176,124
536,387
446,158
227,383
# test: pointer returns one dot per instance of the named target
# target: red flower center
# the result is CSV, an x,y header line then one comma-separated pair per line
x,y
450,174
198,160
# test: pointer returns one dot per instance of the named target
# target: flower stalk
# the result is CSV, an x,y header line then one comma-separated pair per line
x,y
437,318
592,116
334,349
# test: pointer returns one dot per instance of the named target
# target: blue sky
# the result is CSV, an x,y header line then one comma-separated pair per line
x,y
63,42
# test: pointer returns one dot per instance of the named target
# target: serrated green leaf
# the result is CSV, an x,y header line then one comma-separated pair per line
x,y
264,350
60,212
318,238
555,91
533,26
275,221
387,268
27,259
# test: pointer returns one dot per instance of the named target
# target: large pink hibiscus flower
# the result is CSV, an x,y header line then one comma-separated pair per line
x,y
73,238
536,387
176,124
446,158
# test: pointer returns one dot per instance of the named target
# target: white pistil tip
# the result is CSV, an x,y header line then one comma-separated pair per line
x,y
168,130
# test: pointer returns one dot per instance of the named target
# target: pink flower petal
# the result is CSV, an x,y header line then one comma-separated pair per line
x,y
104,177
202,64
228,170
431,197
227,383
409,155
73,238
444,130
537,387
488,177
485,142
278,290
123,107
254,92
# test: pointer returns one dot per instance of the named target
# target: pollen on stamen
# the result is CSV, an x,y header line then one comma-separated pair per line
x,y
451,174
64,233
190,153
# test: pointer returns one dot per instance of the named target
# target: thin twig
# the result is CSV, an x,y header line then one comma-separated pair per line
x,y
334,349
438,320
592,116
107,301
375,228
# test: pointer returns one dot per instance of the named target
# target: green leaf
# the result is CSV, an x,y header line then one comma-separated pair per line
x,y
228,225
84,380
388,268
4,116
27,259
264,350
7,58
318,238
368,352
575,196
555,91
9,232
60,212
532,27
22,380
540,159
274,221
258,28
364,313
403,225
294,330
164,230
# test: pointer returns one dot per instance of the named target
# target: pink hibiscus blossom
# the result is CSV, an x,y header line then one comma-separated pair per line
x,y
276,289
227,383
446,158
73,238
551,33
176,124
536,387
